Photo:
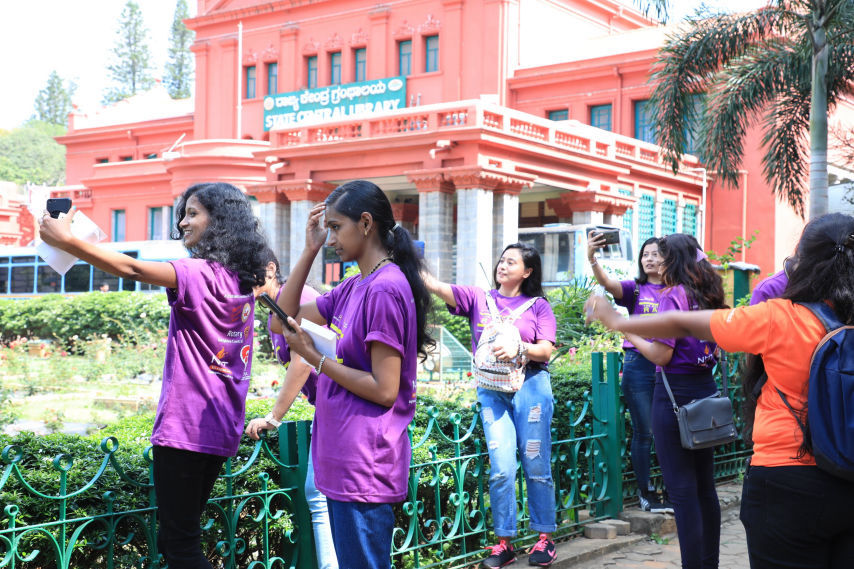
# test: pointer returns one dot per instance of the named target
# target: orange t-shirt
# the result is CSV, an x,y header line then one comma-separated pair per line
x,y
785,335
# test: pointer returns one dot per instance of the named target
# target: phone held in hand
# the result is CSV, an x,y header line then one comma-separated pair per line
x,y
271,304
612,236
55,206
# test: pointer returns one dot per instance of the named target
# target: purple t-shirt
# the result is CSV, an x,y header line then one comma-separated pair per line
x,y
771,287
690,355
208,360
361,450
536,323
645,303
280,345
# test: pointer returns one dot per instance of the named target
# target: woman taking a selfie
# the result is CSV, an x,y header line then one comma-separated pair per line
x,y
639,296
690,285
206,374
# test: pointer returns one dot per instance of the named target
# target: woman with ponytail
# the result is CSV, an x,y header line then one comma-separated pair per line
x,y
366,395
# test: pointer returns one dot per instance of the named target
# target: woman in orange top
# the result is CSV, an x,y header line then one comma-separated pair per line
x,y
794,514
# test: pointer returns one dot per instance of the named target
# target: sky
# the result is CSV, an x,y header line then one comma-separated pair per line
x,y
38,36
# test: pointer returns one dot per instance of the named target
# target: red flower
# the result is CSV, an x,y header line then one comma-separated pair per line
x,y
468,373
274,383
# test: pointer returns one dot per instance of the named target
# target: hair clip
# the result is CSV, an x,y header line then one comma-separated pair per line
x,y
701,255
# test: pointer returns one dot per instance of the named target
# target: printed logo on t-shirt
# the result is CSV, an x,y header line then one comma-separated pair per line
x,y
217,364
244,354
246,310
648,306
707,358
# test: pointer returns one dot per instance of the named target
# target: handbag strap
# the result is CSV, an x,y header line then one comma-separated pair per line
x,y
724,370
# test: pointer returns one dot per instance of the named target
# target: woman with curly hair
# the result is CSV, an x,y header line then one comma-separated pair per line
x,y
200,414
366,394
687,362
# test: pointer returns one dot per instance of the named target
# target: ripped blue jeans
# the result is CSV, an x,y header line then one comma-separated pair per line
x,y
520,421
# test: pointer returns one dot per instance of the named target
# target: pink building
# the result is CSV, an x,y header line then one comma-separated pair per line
x,y
470,114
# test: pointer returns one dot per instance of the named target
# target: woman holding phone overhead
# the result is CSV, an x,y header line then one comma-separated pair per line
x,y
366,395
690,285
639,296
200,414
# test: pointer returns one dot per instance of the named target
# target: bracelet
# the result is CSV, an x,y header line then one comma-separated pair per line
x,y
270,420
594,262
320,364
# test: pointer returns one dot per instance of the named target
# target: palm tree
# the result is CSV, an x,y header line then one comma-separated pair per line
x,y
782,67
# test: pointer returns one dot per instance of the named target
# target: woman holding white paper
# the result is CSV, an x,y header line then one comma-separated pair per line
x,y
366,395
210,295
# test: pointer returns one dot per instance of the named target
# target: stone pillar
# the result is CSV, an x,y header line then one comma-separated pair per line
x,y
594,217
274,215
435,221
304,195
505,217
475,235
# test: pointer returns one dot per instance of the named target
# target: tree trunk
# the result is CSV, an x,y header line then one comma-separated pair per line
x,y
818,201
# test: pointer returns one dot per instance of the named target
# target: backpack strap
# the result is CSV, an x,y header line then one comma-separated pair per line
x,y
494,312
524,307
824,314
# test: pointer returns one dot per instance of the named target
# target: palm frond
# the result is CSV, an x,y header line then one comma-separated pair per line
x,y
692,57
739,94
786,161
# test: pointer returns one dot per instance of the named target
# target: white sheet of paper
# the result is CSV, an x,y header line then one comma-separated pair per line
x,y
324,339
81,227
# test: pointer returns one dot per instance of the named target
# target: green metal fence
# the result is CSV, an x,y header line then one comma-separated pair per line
x,y
257,516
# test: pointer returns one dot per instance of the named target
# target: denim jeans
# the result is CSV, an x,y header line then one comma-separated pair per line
x,y
798,516
362,533
638,385
520,421
183,481
323,545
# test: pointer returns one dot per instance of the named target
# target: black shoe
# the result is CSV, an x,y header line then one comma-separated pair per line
x,y
501,555
543,553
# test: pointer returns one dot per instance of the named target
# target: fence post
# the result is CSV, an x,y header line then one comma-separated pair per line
x,y
294,438
606,409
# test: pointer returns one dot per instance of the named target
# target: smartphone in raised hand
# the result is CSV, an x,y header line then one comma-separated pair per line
x,y
277,310
55,206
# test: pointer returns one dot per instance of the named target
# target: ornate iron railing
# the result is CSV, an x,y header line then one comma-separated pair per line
x,y
258,518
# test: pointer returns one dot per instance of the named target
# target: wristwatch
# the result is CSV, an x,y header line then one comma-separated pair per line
x,y
271,421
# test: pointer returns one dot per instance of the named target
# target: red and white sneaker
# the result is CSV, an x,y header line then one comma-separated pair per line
x,y
543,553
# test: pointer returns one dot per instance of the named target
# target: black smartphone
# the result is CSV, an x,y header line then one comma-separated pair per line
x,y
271,304
612,236
55,206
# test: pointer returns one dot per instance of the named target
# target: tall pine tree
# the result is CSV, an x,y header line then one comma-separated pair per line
x,y
130,70
53,102
179,67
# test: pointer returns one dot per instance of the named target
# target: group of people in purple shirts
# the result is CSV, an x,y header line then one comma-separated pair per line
x,y
365,396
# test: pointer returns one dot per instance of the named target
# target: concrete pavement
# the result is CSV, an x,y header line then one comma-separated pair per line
x,y
638,551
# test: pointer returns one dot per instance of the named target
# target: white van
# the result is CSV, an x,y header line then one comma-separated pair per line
x,y
563,248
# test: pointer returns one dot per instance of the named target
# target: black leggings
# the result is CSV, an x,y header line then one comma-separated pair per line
x,y
798,517
689,475
183,481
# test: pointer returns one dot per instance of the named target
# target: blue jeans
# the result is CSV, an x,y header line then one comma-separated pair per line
x,y
362,533
638,385
520,421
323,545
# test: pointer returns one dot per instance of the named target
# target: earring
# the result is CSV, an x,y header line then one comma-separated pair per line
x,y
366,232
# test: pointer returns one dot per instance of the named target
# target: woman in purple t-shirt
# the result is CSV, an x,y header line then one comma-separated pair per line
x,y
366,394
200,414
690,284
639,296
524,416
